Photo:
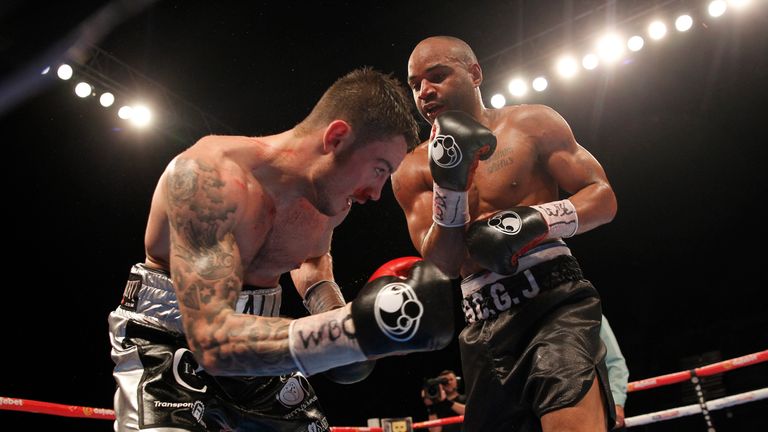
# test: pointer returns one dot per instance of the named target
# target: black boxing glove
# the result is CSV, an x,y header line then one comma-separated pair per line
x,y
391,315
323,296
497,243
395,314
459,143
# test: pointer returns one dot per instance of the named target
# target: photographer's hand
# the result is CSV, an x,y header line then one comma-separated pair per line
x,y
427,400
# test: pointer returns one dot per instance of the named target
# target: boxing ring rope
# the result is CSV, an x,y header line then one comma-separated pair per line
x,y
712,369
659,381
38,407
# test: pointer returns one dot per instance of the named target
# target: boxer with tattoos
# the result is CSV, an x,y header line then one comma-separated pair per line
x,y
197,340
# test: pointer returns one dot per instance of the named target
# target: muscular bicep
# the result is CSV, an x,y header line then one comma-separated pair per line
x,y
205,260
577,172
574,168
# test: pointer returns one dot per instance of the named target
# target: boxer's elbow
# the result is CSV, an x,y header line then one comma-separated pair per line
x,y
610,205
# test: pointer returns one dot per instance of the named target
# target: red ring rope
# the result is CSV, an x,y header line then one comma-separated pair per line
x,y
32,406
712,369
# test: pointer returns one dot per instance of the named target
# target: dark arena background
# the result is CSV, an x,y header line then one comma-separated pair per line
x,y
679,127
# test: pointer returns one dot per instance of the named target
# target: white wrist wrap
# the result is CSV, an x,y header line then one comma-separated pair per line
x,y
450,208
324,341
323,296
561,217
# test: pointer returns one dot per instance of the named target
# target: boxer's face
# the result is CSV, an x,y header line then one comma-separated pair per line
x,y
438,80
359,175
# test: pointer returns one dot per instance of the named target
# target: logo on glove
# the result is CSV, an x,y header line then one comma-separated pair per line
x,y
507,222
445,152
398,311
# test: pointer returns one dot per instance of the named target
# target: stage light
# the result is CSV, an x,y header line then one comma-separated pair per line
x,y
141,116
610,48
717,8
540,84
83,89
125,112
739,4
107,99
657,30
498,100
64,72
517,87
45,71
683,23
590,61
567,67
635,43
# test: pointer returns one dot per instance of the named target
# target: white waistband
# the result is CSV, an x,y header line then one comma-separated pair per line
x,y
154,300
537,255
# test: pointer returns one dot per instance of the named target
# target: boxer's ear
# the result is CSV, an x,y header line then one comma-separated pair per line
x,y
337,136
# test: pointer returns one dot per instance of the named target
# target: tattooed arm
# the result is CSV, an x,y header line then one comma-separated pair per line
x,y
205,205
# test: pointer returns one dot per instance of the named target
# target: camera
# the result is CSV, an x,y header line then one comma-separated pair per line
x,y
432,387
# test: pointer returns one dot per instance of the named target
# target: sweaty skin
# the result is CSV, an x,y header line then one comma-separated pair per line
x,y
536,156
231,211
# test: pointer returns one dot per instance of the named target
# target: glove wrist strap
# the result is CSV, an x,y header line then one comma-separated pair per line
x,y
321,342
561,218
323,296
450,208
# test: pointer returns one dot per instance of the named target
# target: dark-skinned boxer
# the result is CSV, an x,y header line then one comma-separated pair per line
x,y
482,201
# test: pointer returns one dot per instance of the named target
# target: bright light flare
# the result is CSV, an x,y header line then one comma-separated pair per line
x,y
106,99
683,23
657,30
610,48
498,100
83,89
635,43
517,87
567,67
717,8
142,116
64,72
590,61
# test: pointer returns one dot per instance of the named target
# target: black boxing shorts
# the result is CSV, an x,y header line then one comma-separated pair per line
x,y
160,385
532,343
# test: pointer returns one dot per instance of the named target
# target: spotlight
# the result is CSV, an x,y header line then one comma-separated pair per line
x,y
83,89
540,84
517,87
610,48
141,116
683,23
590,61
106,99
125,112
635,43
567,67
657,30
717,8
498,100
64,72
